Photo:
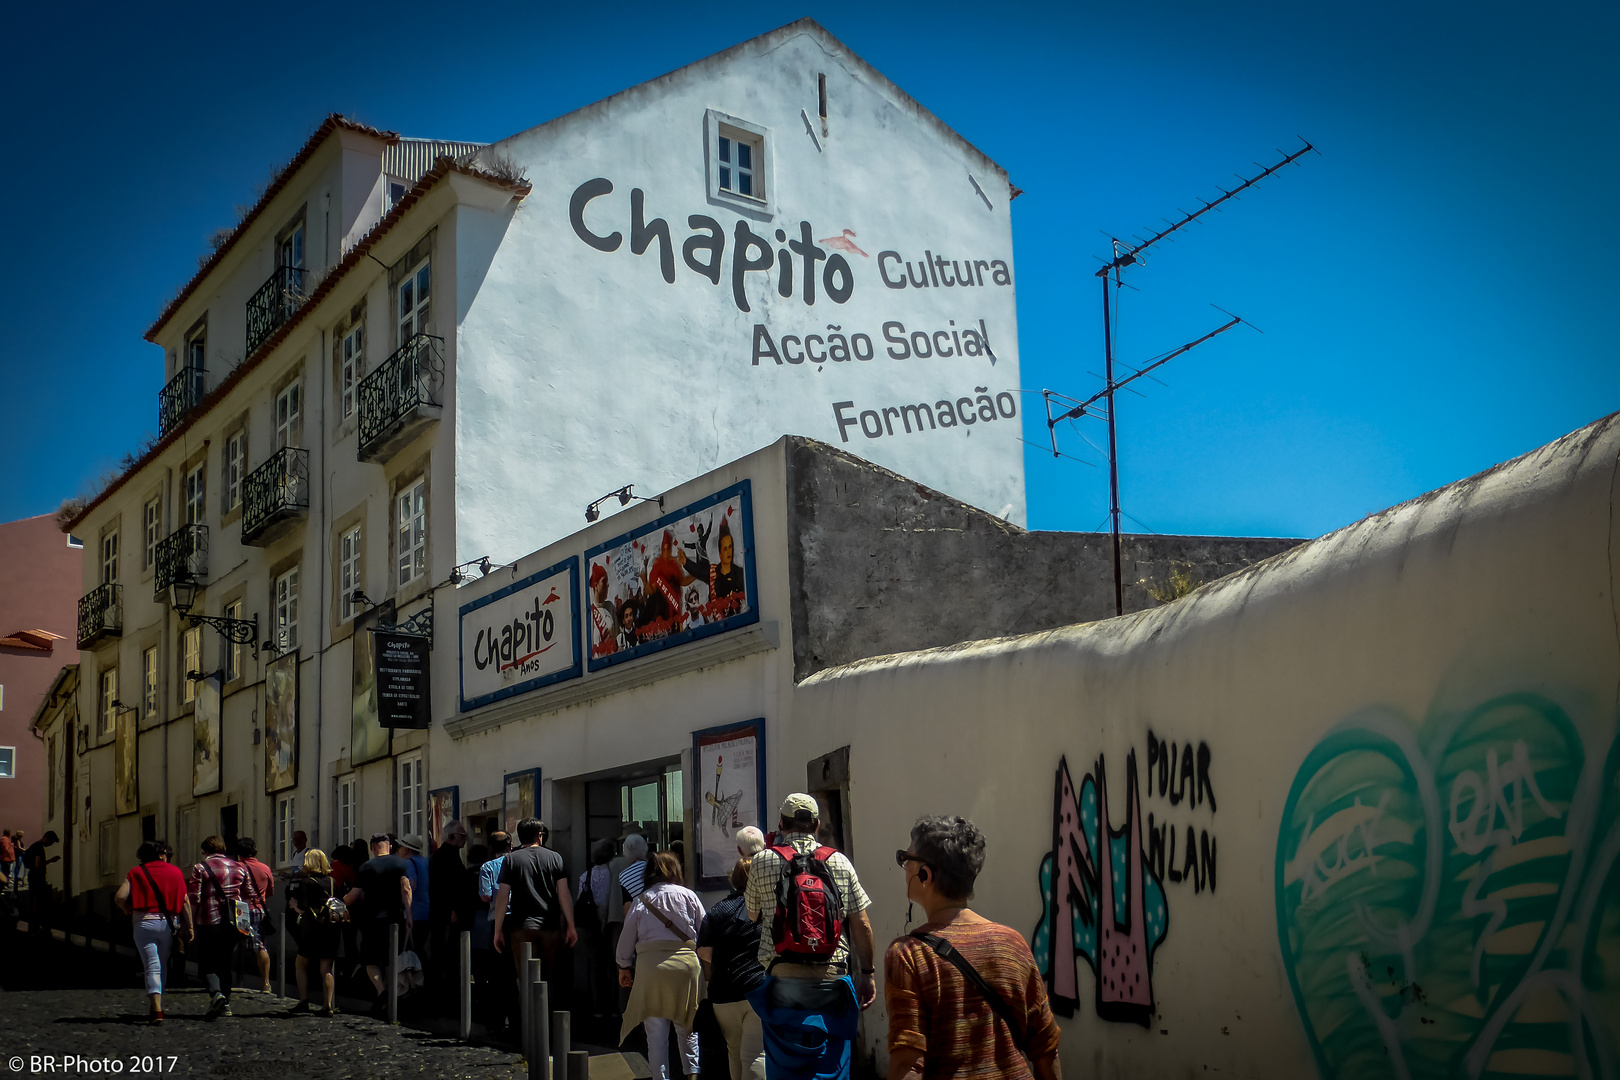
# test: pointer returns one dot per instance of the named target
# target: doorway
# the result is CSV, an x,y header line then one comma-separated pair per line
x,y
645,799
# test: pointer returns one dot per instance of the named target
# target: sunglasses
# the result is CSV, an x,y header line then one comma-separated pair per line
x,y
902,856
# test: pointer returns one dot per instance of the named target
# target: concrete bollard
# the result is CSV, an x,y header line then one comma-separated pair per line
x,y
539,1047
560,1043
281,954
464,981
579,1065
525,954
393,973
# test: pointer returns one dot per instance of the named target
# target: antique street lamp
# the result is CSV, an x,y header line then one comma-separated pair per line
x,y
183,594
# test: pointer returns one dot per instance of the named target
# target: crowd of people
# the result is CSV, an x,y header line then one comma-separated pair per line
x,y
785,963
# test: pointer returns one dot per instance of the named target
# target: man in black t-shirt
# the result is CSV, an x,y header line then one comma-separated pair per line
x,y
541,911
39,886
382,892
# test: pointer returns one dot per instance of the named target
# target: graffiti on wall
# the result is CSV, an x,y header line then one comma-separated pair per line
x,y
1448,896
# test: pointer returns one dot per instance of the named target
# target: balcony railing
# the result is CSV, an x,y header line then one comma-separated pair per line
x,y
401,396
275,496
101,614
181,554
176,400
273,304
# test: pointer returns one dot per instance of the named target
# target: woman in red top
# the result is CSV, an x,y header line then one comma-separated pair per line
x,y
154,895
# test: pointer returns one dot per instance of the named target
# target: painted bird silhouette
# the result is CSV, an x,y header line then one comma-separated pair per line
x,y
844,243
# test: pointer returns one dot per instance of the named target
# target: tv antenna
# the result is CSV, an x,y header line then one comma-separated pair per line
x,y
1128,256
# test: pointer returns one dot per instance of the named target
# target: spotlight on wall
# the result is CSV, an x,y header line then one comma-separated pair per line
x,y
624,495
461,573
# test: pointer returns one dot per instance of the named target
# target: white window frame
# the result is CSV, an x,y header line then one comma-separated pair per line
x,y
107,848
414,301
285,616
195,354
190,660
351,369
719,125
194,494
149,683
8,761
346,812
109,694
410,532
234,652
350,563
235,468
286,811
289,415
152,522
412,794
109,557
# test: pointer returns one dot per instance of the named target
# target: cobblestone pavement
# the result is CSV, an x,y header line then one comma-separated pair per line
x,y
105,1031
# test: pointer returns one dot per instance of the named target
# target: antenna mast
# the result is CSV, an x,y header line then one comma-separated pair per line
x,y
1123,258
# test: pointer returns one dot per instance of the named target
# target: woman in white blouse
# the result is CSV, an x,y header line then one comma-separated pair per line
x,y
657,958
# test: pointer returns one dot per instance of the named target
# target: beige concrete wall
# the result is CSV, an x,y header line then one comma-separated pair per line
x,y
1412,804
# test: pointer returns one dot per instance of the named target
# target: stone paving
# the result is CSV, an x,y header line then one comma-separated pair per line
x,y
100,1031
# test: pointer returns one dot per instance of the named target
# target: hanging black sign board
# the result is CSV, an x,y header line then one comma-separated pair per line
x,y
402,680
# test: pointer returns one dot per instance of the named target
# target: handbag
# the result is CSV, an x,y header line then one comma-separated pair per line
x,y
997,1005
587,915
241,916
267,925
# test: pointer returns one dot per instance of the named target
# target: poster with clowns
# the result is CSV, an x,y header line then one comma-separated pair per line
x,y
685,576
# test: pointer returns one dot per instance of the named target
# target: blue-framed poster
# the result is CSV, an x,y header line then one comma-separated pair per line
x,y
730,765
521,637
685,576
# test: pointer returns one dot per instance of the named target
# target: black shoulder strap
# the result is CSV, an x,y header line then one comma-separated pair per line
x,y
997,1005
163,905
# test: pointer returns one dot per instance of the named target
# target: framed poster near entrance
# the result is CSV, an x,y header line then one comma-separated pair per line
x,y
730,766
444,806
522,799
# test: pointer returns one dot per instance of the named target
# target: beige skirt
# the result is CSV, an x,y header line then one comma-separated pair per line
x,y
666,984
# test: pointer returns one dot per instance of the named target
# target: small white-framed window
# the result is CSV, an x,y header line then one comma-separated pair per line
x,y
74,542
285,808
348,573
8,761
351,368
190,660
234,653
197,351
347,811
109,558
153,525
194,492
415,301
411,517
738,155
290,415
149,684
412,795
286,597
107,848
235,469
109,694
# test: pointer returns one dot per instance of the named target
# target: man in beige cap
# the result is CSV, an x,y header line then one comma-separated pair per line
x,y
851,954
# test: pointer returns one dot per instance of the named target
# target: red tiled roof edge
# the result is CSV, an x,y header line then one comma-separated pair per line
x,y
332,122
442,167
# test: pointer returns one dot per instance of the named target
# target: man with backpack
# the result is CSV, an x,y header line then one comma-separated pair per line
x,y
815,944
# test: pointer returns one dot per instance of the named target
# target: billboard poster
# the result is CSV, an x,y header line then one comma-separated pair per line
x,y
368,740
444,806
521,637
522,800
281,724
126,794
401,679
685,576
730,764
205,737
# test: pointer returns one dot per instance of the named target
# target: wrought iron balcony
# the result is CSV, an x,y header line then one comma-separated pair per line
x,y
401,397
183,393
275,496
273,304
181,554
101,614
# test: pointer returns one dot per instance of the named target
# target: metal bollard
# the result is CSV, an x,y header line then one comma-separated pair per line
x,y
538,1049
525,954
579,1065
464,981
560,1043
393,973
281,954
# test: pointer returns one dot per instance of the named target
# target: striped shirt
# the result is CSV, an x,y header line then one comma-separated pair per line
x,y
213,906
932,1007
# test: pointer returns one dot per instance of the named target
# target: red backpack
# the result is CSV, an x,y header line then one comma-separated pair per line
x,y
809,912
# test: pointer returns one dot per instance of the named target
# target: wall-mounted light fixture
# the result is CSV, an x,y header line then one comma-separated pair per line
x,y
624,495
183,595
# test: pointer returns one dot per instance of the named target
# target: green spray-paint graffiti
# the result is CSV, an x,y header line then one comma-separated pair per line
x,y
1448,896
1106,908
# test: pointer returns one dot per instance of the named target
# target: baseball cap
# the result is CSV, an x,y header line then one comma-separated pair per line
x,y
800,805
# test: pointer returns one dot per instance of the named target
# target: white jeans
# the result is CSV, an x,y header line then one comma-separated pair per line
x,y
658,1048
152,942
745,1039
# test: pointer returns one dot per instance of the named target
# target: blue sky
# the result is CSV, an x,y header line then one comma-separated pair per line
x,y
1437,289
